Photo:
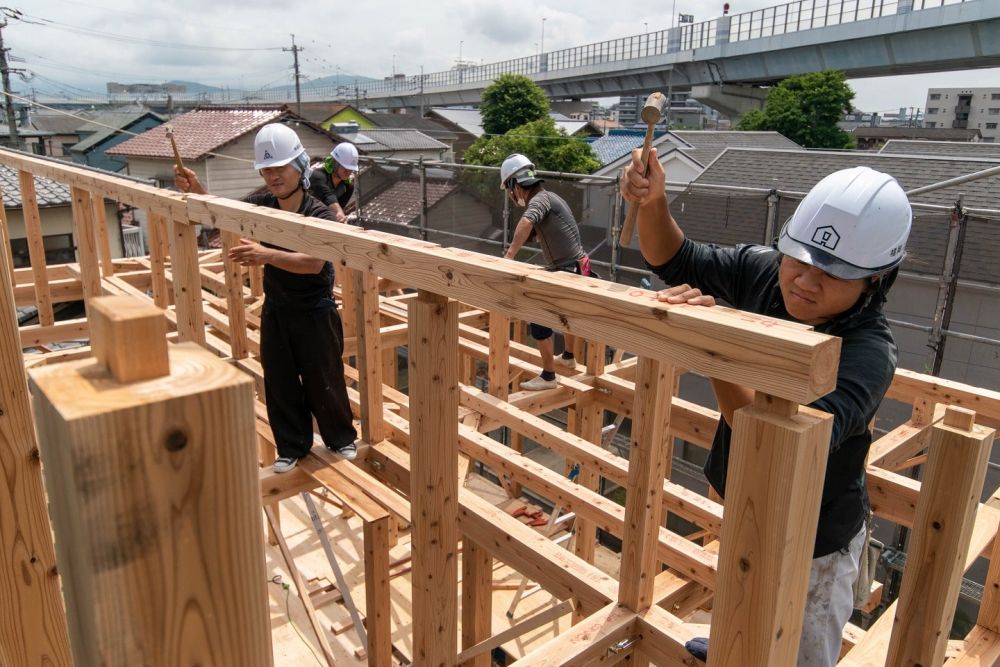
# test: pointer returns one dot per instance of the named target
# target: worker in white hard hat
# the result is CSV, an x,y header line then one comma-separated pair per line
x,y
334,181
832,266
301,335
547,218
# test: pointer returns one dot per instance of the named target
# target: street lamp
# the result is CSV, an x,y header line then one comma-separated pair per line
x,y
460,44
541,42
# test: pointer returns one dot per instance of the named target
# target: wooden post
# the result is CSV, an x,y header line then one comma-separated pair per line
x,y
234,298
433,368
648,457
36,248
366,304
942,528
83,225
33,624
477,599
5,249
591,422
101,229
777,463
348,312
187,282
390,374
142,475
377,591
159,245
256,281
499,361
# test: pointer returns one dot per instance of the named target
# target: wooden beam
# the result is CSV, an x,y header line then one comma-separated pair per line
x,y
235,308
86,249
649,453
36,247
37,334
953,482
121,328
662,637
763,353
378,606
776,469
33,626
909,386
499,359
433,382
589,642
141,475
159,248
590,425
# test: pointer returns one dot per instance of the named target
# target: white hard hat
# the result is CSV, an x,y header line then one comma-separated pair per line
x,y
853,224
519,167
275,146
346,155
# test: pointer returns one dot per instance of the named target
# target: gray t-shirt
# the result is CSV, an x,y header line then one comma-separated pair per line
x,y
556,229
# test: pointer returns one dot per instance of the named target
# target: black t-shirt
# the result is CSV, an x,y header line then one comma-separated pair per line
x,y
297,291
321,187
747,278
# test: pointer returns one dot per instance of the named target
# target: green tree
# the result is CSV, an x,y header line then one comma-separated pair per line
x,y
806,109
511,101
546,145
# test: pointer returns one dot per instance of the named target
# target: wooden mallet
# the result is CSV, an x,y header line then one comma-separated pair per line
x,y
173,144
652,112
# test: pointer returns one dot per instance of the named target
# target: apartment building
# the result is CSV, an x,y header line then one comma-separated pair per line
x,y
965,108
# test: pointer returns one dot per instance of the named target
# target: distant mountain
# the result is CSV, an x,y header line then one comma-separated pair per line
x,y
196,88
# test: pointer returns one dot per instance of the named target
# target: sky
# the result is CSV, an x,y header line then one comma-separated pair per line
x,y
68,43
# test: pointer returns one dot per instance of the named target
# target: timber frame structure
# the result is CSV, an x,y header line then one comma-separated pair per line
x,y
749,566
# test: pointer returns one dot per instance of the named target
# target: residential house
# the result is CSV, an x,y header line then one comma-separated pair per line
x,y
398,143
330,114
942,148
872,138
740,217
64,127
108,129
217,143
408,121
55,204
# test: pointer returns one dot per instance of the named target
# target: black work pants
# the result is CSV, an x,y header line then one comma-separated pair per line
x,y
304,377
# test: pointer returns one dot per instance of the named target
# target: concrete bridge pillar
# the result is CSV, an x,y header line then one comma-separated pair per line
x,y
674,40
904,6
731,100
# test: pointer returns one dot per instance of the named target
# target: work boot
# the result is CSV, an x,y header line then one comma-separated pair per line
x,y
348,451
568,362
284,464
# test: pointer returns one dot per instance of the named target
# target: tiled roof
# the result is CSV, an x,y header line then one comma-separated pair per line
x,y
942,148
938,133
739,217
400,202
706,145
24,131
319,112
409,121
469,120
49,193
119,122
610,147
399,139
58,123
199,132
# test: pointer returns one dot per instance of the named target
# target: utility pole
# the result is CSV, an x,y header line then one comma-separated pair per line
x,y
15,139
298,92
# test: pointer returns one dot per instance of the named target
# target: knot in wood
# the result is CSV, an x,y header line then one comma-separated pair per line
x,y
176,440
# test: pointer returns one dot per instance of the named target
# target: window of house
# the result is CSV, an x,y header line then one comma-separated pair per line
x,y
932,110
991,126
935,96
995,96
59,249
930,124
994,111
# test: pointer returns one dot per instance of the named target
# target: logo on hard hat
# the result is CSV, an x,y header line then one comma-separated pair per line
x,y
267,155
826,237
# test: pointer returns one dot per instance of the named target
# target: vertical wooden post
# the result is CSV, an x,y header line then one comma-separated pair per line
x,y
234,298
348,310
433,366
5,249
591,423
36,248
390,372
256,281
33,625
156,224
141,476
377,592
647,464
942,528
777,464
366,305
499,361
101,229
477,599
83,224
187,282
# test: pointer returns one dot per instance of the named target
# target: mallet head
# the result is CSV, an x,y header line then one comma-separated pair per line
x,y
652,110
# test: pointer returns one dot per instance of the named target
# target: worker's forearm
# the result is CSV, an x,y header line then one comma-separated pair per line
x,y
731,397
521,234
294,262
660,237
